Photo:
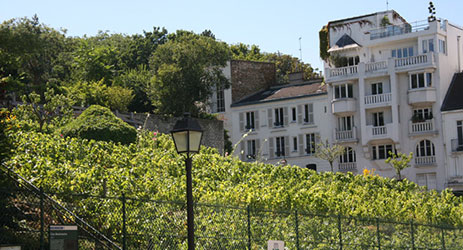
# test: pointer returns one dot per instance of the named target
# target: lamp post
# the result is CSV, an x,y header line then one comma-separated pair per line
x,y
187,134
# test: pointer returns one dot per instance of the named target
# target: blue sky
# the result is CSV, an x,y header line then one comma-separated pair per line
x,y
272,25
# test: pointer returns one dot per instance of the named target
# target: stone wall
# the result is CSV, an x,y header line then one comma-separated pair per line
x,y
248,77
212,135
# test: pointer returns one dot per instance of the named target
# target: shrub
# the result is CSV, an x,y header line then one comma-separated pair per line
x,y
100,124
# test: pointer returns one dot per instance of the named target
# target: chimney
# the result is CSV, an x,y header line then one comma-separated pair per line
x,y
296,77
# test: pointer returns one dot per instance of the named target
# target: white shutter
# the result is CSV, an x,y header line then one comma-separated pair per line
x,y
301,144
271,151
287,146
242,152
432,182
285,116
310,118
299,114
257,149
256,119
270,116
241,121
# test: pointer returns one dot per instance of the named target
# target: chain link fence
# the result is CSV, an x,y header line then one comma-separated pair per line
x,y
134,223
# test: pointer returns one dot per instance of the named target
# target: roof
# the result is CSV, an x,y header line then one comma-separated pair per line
x,y
453,99
284,92
345,42
367,15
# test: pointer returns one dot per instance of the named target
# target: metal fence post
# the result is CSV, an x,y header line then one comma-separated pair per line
x,y
249,226
412,234
297,230
124,230
378,234
42,223
340,231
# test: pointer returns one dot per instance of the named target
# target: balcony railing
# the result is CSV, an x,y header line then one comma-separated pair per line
x,y
421,127
375,66
412,60
347,166
378,99
425,160
395,30
345,135
344,71
457,145
380,130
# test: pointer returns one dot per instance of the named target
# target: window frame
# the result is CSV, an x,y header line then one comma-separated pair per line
x,y
342,91
381,152
348,156
425,148
308,113
251,149
278,117
310,143
420,80
250,121
280,146
220,100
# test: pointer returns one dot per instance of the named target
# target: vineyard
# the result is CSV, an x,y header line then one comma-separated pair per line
x,y
150,170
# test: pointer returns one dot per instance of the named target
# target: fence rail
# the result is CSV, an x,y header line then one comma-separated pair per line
x,y
136,223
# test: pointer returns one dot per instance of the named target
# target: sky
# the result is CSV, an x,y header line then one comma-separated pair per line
x,y
275,26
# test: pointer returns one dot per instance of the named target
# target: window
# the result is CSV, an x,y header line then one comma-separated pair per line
x,y
460,132
428,180
442,46
403,52
343,91
280,143
425,148
351,61
311,166
420,80
347,156
377,88
278,117
378,119
428,45
380,152
310,144
220,100
345,123
293,114
308,113
422,114
250,124
251,149
295,144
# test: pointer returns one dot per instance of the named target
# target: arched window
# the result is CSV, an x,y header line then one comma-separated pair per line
x,y
348,156
425,148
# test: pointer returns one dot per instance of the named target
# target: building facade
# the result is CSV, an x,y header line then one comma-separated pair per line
x,y
387,80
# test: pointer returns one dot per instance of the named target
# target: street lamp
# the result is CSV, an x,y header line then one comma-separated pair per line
x,y
187,134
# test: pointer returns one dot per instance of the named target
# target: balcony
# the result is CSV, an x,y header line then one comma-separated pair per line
x,y
413,61
345,135
347,166
425,160
376,66
421,127
342,73
395,30
379,132
378,100
457,145
422,96
344,105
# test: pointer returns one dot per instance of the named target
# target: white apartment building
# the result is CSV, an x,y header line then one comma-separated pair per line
x,y
387,80
283,124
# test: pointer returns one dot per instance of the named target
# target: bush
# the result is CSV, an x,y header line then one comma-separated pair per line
x,y
100,124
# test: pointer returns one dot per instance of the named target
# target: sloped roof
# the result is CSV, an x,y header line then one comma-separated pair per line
x,y
284,92
345,42
454,97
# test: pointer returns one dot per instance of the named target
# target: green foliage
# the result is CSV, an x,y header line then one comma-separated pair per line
x,y
54,112
100,124
138,80
323,35
150,168
186,68
399,161
385,21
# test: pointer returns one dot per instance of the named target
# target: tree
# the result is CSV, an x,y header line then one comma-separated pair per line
x,y
186,68
138,80
399,161
329,152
